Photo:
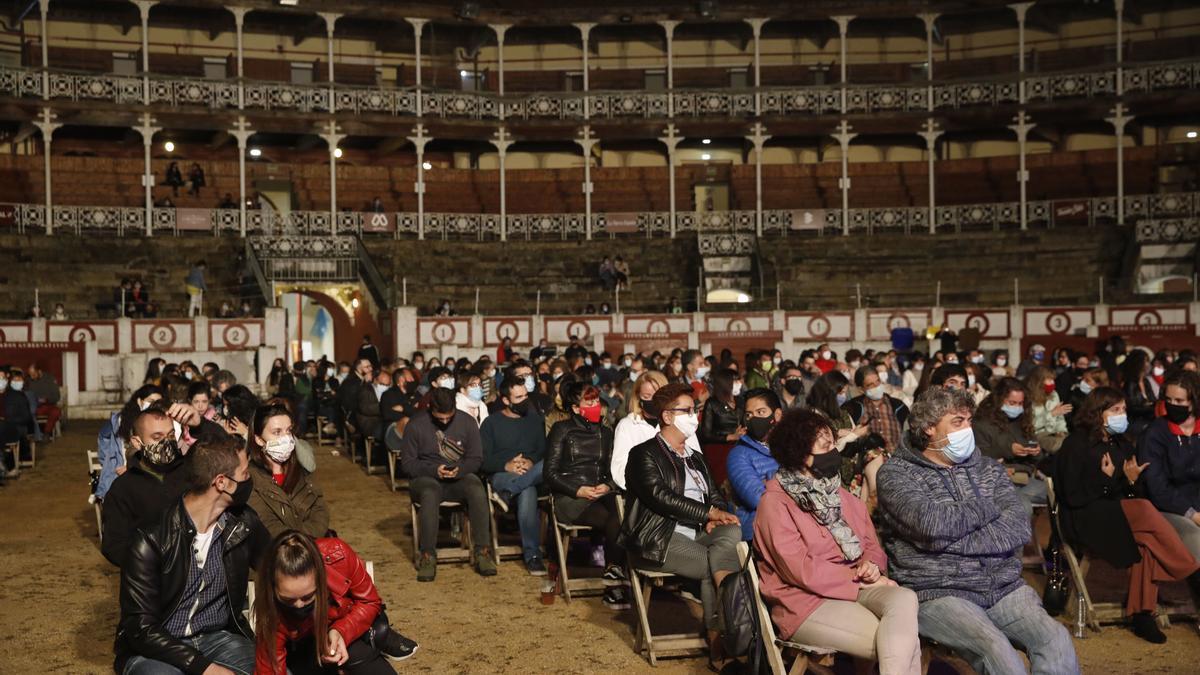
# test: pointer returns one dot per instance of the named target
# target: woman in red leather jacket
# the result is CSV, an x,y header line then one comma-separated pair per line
x,y
314,609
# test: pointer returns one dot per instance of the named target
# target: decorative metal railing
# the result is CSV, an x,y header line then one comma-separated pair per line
x,y
792,100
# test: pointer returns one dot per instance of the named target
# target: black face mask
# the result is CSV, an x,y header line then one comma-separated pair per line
x,y
794,387
410,387
827,465
440,424
521,408
300,612
1178,414
650,411
241,494
759,427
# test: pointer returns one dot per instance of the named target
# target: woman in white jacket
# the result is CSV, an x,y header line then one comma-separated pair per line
x,y
470,396
640,424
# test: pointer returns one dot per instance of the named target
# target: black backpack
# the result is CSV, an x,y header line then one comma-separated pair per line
x,y
739,617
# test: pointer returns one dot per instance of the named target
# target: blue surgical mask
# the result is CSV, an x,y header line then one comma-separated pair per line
x,y
960,445
475,393
1013,411
1117,424
529,383
842,398
17,385
1084,387
595,380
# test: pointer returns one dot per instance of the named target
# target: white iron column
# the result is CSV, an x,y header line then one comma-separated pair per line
x,y
669,28
330,20
843,22
502,141
241,131
843,137
144,13
671,141
759,139
47,125
756,28
1118,120
239,20
43,9
147,131
1021,8
501,29
928,19
586,141
419,140
931,134
418,26
585,30
1022,129
332,138
1120,7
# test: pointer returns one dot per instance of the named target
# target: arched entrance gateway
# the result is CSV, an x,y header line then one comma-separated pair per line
x,y
326,320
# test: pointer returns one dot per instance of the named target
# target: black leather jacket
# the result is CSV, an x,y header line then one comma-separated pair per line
x,y
719,420
154,576
654,479
578,453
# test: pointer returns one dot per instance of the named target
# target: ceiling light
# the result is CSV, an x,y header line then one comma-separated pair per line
x,y
426,165
1191,134
337,152
463,73
706,156
742,297
169,146
707,141
255,152
289,3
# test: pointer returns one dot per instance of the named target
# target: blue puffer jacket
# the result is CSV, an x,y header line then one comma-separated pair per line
x,y
112,454
952,530
1173,478
749,465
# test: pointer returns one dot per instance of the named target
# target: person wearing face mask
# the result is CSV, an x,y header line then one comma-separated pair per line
x,y
1004,432
912,377
1171,447
789,386
858,446
285,496
346,400
441,453
676,519
760,370
1091,380
999,365
750,464
470,396
640,425
114,436
721,420
578,456
17,421
823,570
957,528
1049,412
825,360
183,586
367,418
1037,357
156,473
882,415
398,404
1105,513
513,448
315,608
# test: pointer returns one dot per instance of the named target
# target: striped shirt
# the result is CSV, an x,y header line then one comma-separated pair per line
x,y
204,606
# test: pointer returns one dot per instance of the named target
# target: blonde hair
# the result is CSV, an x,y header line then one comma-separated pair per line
x,y
650,376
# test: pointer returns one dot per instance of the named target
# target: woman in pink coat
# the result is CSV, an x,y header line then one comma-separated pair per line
x,y
821,565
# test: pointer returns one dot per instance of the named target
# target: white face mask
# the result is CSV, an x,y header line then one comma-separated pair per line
x,y
446,383
960,445
970,380
826,355
280,449
178,429
737,388
701,372
875,393
687,424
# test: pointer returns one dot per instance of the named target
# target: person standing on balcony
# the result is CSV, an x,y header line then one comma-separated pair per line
x,y
196,287
196,177
174,178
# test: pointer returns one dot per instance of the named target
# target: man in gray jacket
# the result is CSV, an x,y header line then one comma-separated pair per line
x,y
953,528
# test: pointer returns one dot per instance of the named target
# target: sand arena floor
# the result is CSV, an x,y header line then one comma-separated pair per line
x,y
58,604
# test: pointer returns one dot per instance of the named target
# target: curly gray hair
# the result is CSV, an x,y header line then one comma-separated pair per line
x,y
930,408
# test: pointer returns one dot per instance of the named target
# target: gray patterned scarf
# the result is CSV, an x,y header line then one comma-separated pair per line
x,y
820,497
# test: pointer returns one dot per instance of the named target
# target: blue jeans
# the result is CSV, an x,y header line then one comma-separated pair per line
x,y
986,637
235,652
524,488
1033,493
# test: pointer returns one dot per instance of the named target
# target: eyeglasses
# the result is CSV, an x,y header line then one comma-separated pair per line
x,y
682,410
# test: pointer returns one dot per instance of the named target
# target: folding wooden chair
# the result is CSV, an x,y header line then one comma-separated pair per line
x,y
458,521
662,645
370,445
94,469
563,533
508,551
15,449
1087,614
321,422
32,461
808,657
393,459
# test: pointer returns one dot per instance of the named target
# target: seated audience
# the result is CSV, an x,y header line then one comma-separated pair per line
x,y
17,421
676,520
183,584
114,435
1049,412
822,568
1003,431
750,464
884,418
285,496
1104,512
470,396
954,528
513,447
441,452
640,425
721,420
46,394
1171,449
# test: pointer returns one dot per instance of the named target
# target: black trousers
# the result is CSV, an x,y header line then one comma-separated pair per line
x,y
364,659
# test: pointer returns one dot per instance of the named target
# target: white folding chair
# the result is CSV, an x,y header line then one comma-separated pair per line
x,y
508,551
563,533
808,657
393,458
460,553
321,422
370,445
1087,614
94,469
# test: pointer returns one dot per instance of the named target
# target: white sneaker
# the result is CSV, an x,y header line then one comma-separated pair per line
x,y
499,501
